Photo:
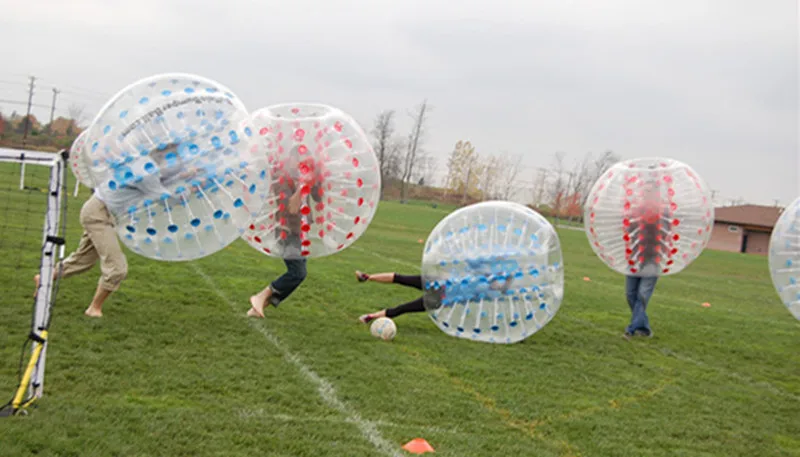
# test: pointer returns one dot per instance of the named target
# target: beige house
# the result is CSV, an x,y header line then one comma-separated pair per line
x,y
744,228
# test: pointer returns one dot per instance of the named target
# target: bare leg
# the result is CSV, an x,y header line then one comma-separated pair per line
x,y
95,309
36,279
367,318
385,278
258,302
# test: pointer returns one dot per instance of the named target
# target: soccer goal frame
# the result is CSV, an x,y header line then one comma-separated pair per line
x,y
31,384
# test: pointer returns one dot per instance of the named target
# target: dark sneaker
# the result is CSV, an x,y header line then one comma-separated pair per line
x,y
361,276
367,318
627,335
644,333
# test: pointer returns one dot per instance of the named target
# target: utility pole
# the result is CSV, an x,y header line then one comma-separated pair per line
x,y
53,106
28,115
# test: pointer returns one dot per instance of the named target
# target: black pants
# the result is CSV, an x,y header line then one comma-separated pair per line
x,y
416,306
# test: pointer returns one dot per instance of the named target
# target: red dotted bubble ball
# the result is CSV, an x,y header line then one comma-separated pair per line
x,y
325,181
649,217
79,162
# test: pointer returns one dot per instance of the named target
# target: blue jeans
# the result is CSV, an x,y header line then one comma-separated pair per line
x,y
638,291
284,286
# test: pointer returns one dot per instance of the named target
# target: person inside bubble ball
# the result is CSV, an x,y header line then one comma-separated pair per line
x,y
143,179
648,225
299,180
491,281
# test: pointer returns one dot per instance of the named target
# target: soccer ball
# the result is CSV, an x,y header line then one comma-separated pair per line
x,y
383,328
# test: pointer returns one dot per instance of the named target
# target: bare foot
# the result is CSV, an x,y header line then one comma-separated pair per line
x,y
93,312
367,318
36,279
361,276
256,307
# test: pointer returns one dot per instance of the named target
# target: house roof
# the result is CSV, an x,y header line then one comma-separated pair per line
x,y
762,216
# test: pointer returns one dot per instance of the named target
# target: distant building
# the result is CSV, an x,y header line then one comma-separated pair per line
x,y
744,228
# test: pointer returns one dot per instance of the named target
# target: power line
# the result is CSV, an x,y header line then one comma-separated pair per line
x,y
16,83
23,103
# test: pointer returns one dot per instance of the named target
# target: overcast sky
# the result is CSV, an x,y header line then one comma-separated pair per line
x,y
711,83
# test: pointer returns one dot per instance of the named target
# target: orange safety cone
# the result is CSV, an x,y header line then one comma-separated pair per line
x,y
586,278
706,305
418,446
420,241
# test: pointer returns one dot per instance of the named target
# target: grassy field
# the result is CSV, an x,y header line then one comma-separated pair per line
x,y
175,369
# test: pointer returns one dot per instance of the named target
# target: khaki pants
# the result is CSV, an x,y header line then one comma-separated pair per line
x,y
98,242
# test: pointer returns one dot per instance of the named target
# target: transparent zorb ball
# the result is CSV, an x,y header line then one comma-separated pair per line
x,y
493,272
325,181
79,162
175,159
649,217
784,257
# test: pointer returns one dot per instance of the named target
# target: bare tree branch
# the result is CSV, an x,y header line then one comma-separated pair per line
x,y
77,114
600,166
559,186
415,138
510,166
384,146
539,187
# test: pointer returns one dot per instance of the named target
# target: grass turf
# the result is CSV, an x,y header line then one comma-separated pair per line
x,y
175,369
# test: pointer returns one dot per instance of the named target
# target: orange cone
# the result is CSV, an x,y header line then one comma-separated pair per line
x,y
418,446
420,241
586,278
706,305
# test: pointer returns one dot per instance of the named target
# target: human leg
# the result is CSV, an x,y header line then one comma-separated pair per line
x,y
99,226
281,288
384,278
640,323
82,259
414,281
416,306
632,290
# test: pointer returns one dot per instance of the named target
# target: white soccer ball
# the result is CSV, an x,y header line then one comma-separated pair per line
x,y
383,328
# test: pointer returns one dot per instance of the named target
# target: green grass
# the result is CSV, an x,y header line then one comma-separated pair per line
x,y
174,369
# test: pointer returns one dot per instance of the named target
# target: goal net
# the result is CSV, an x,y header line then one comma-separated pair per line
x,y
32,227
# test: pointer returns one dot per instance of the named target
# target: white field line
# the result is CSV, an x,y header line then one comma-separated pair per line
x,y
325,389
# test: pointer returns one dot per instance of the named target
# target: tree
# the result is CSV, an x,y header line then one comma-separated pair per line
x,y
595,171
426,168
559,186
413,147
459,165
77,114
539,187
385,146
509,172
489,171
464,170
